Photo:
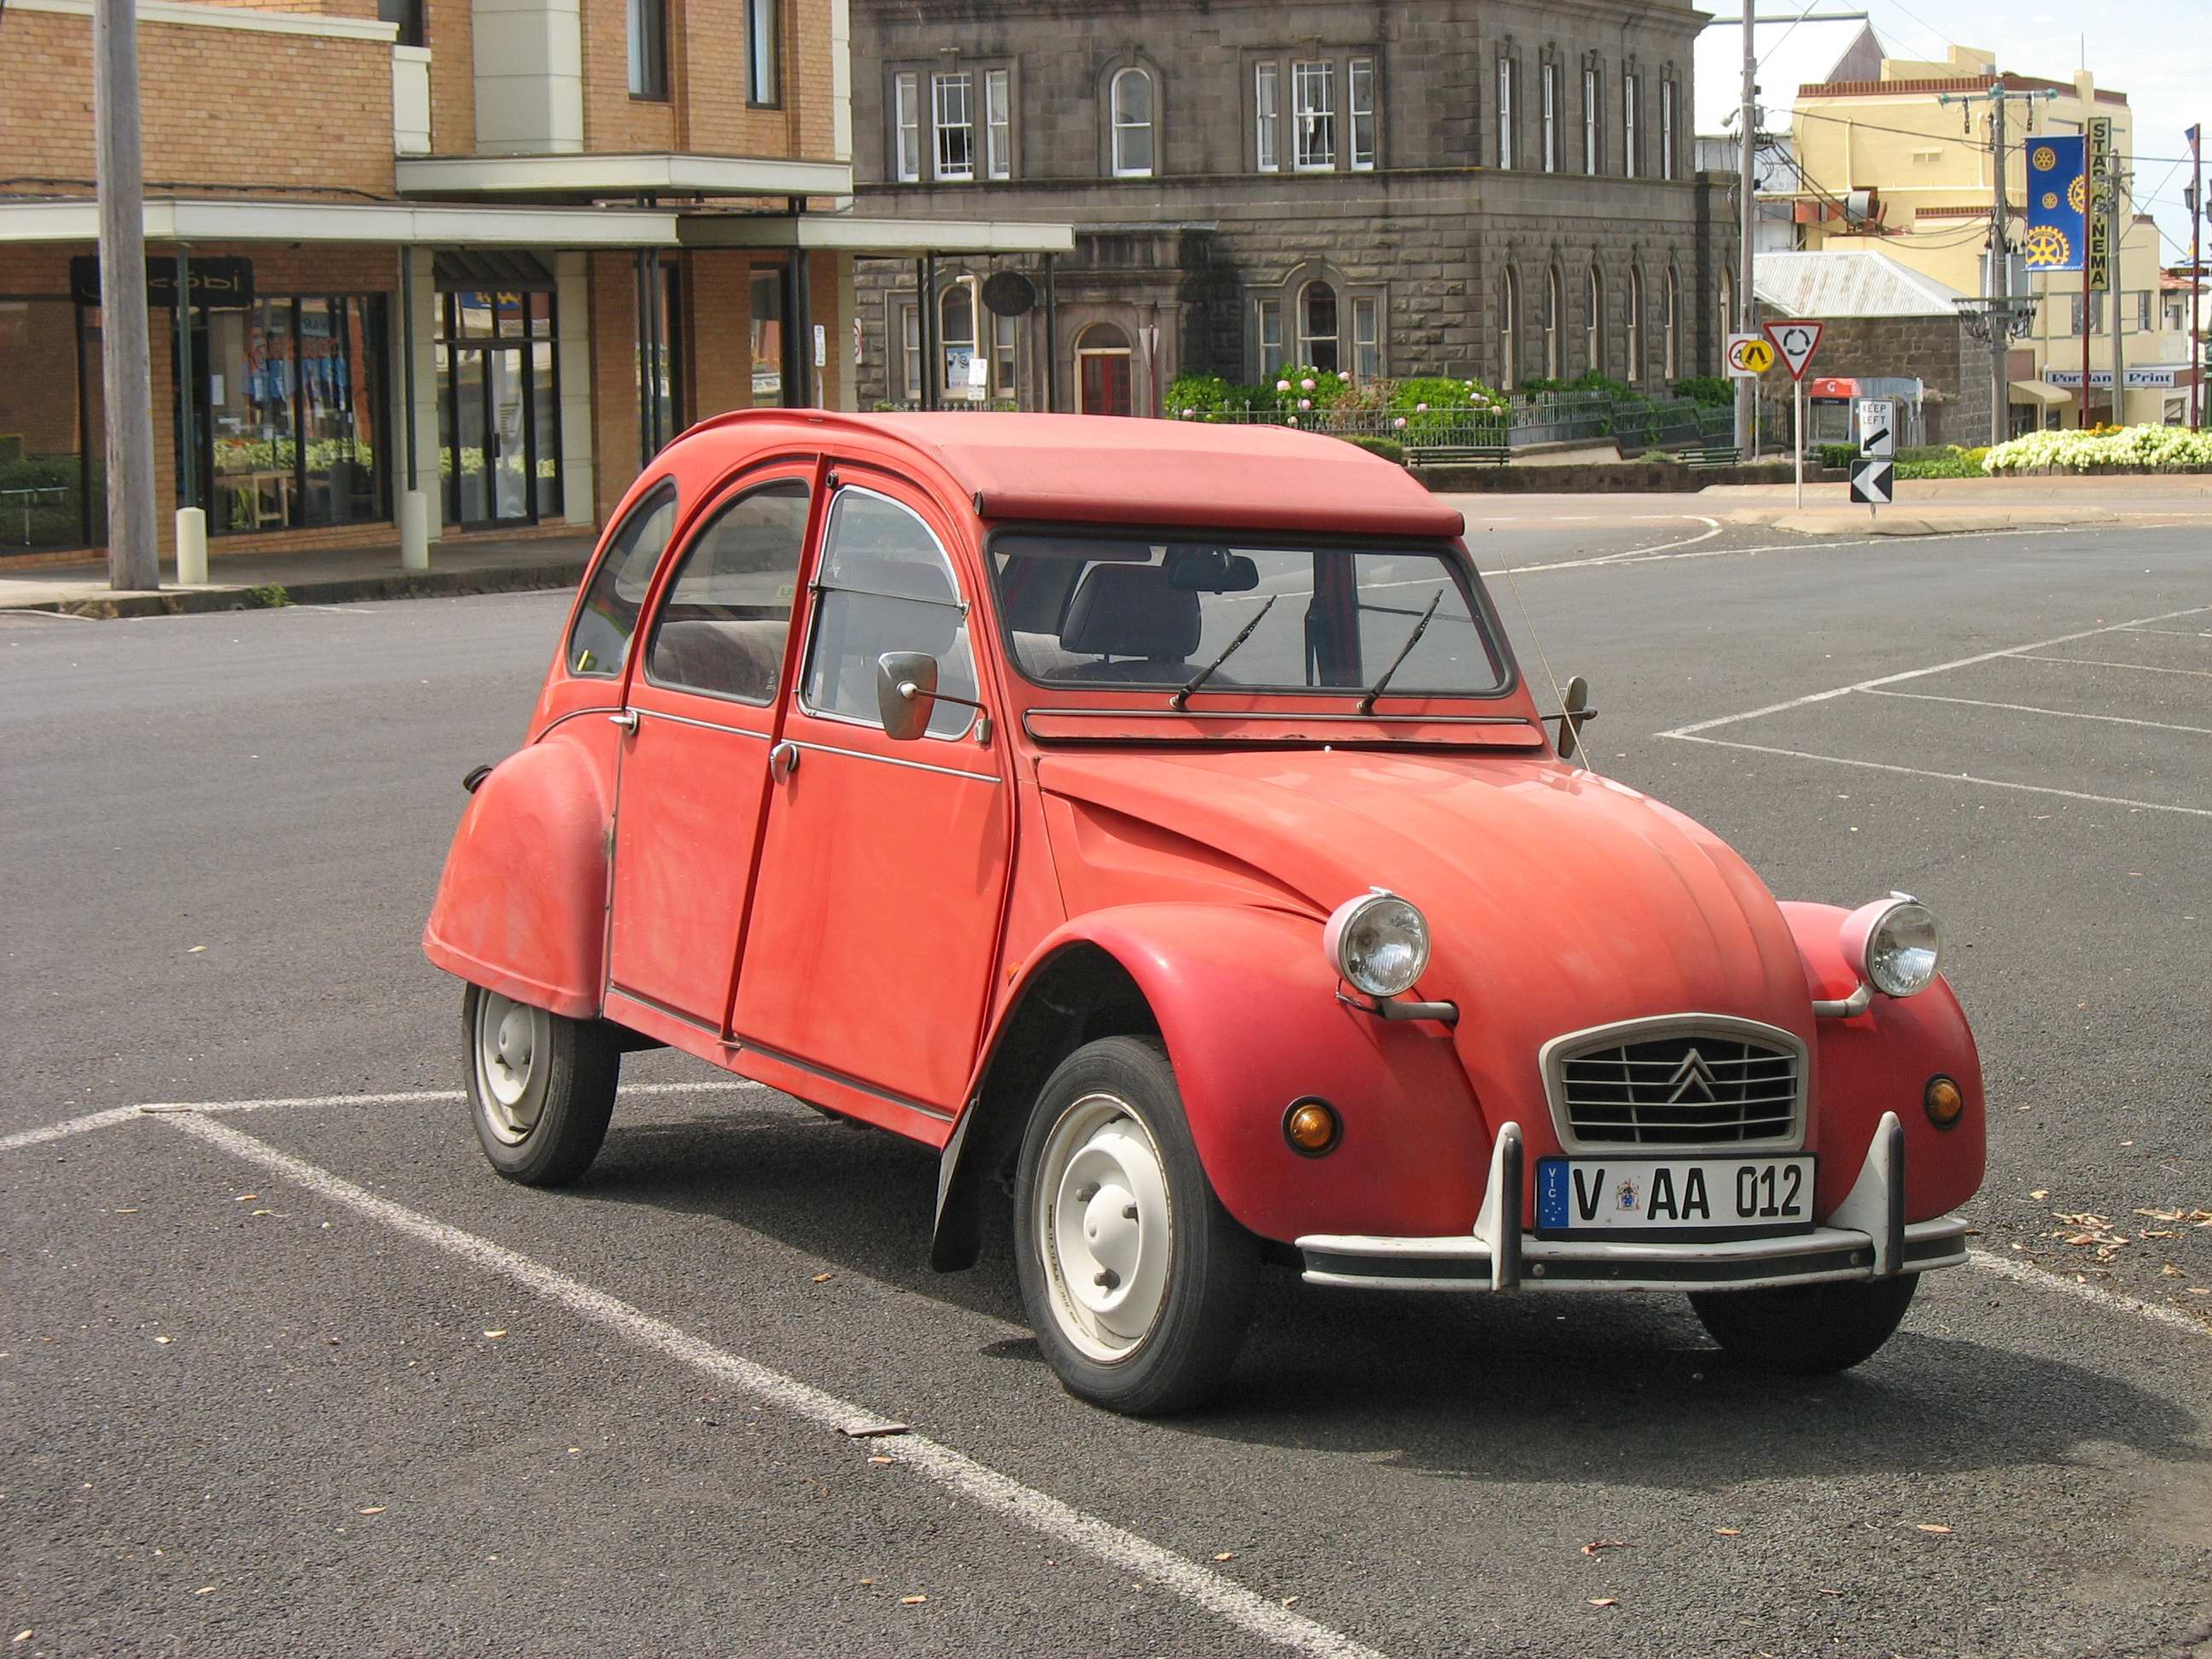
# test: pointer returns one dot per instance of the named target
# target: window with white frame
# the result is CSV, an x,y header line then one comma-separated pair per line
x,y
1594,325
906,121
1667,128
1005,341
1313,102
1631,117
763,32
1632,334
1553,301
1551,97
1267,116
1267,328
1671,337
998,124
1360,73
1317,325
1367,336
955,339
1509,329
1591,89
907,319
1130,98
1505,111
954,115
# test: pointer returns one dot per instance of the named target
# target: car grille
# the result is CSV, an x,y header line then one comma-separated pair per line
x,y
1686,1087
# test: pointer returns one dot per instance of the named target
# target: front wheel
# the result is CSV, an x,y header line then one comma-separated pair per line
x,y
1806,1330
1138,1283
541,1087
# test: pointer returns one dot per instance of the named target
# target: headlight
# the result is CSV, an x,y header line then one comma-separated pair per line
x,y
1377,941
1896,942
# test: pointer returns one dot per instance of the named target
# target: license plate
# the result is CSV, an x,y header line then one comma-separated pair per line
x,y
1599,1194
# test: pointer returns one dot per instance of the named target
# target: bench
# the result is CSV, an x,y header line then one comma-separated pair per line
x,y
1496,454
1711,455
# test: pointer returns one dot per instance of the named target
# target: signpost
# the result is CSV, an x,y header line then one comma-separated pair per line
x,y
1796,339
1874,474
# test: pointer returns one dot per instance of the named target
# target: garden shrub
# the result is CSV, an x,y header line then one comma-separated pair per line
x,y
1389,448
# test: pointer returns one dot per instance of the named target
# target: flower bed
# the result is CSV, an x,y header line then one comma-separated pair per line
x,y
2112,449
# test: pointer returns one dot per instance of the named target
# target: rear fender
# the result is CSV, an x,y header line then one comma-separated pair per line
x,y
1248,1008
521,909
1880,1061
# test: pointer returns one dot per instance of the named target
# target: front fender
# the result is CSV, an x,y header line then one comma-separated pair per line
x,y
521,909
1880,1061
1248,1008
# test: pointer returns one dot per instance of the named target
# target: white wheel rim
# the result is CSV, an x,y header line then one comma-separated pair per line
x,y
1105,1227
511,1044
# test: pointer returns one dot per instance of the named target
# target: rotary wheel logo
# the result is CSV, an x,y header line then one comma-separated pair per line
x,y
2047,246
2050,200
2077,193
2044,158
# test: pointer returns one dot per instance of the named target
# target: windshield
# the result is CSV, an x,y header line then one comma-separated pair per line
x,y
1101,609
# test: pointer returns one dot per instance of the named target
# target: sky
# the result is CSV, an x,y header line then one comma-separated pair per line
x,y
2157,52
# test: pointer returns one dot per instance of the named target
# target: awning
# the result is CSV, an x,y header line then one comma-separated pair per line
x,y
652,173
2034,391
396,224
845,233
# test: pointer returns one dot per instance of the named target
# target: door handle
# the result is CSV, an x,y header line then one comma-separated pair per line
x,y
783,760
627,720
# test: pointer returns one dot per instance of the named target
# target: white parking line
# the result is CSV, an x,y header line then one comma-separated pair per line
x,y
957,1473
2030,708
75,1126
2100,662
2026,1272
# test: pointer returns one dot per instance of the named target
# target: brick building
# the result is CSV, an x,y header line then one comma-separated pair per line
x,y
496,252
1406,186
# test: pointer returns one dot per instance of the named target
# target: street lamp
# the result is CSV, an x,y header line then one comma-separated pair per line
x,y
1997,322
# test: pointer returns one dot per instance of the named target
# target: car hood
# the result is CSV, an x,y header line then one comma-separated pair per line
x,y
1557,899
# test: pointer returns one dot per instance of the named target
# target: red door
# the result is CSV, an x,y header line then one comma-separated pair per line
x,y
1106,383
694,766
875,919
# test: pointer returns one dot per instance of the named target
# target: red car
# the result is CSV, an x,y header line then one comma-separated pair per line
x,y
1151,817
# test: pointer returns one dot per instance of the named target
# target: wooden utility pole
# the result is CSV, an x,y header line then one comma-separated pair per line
x,y
126,352
1747,390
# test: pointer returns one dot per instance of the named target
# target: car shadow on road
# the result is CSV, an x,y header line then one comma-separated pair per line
x,y
1530,1386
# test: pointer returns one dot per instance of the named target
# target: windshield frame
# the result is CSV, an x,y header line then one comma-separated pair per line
x,y
1249,701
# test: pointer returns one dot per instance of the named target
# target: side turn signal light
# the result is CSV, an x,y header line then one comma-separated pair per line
x,y
1311,1126
1943,1101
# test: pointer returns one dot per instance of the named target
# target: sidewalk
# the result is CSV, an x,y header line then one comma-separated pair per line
x,y
1950,507
243,581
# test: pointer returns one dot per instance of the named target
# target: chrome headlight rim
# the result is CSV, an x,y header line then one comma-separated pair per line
x,y
1341,937
1876,941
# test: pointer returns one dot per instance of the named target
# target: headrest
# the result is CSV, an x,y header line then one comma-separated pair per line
x,y
1129,610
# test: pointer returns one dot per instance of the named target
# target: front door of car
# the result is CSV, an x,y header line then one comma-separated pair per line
x,y
701,711
875,917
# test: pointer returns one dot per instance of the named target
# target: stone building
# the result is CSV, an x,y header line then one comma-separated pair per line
x,y
1501,190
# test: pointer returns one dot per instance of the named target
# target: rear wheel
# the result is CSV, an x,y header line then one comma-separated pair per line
x,y
1139,1285
541,1087
1806,1330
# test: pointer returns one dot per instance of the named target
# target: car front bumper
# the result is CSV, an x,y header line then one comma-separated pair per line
x,y
1867,1237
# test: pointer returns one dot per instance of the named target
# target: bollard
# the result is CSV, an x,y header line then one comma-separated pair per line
x,y
414,531
191,547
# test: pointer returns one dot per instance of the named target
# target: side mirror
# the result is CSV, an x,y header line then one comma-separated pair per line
x,y
905,686
1575,714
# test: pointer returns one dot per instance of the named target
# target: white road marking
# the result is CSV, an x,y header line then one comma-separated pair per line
x,y
2100,662
77,1126
2030,708
1947,777
957,1473
2026,1272
2175,633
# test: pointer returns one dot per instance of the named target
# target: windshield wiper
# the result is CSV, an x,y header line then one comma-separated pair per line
x,y
1367,702
1206,673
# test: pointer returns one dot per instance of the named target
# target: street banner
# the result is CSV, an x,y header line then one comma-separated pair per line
x,y
2058,203
1749,356
2097,146
1796,339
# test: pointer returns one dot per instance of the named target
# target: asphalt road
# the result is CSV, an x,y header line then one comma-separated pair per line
x,y
308,1377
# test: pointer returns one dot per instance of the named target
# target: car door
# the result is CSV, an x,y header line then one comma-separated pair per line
x,y
884,863
701,715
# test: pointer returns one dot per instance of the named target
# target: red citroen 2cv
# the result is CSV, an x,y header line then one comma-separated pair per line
x,y
1151,817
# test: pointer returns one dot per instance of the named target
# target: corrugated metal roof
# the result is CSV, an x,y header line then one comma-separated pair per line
x,y
1793,52
1855,283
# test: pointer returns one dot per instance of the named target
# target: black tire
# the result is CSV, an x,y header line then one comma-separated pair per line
x,y
1211,1264
549,1134
1806,1330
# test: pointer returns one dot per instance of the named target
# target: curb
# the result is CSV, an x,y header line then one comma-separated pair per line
x,y
342,590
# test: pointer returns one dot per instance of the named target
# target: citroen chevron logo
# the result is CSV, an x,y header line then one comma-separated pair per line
x,y
1692,1080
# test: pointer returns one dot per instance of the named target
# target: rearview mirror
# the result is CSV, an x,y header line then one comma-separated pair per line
x,y
906,685
1211,570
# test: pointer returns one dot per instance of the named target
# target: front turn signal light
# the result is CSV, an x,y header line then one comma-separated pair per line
x,y
1311,1126
1944,1102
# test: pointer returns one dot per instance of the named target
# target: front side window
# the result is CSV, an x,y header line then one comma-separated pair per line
x,y
885,584
1362,76
1312,92
763,26
1589,120
722,628
1367,336
998,124
598,644
906,101
1084,609
1268,314
1550,160
1632,136
648,49
956,127
1266,104
1505,111
1131,96
1317,327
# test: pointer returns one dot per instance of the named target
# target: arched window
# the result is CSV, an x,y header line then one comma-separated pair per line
x,y
1672,337
1554,303
1131,99
1594,325
1634,335
956,338
1317,327
1509,329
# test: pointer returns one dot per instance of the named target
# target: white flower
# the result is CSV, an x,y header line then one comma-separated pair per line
x,y
1306,384
1399,424
1345,376
1305,402
1290,420
1282,386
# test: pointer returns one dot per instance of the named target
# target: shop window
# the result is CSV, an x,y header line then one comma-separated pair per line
x,y
1131,99
766,332
1312,92
499,458
763,28
1266,117
648,49
1317,347
49,458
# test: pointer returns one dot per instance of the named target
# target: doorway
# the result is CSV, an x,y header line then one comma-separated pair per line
x,y
1102,362
499,397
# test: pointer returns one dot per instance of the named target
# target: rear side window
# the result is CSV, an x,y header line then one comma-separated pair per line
x,y
723,625
599,645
